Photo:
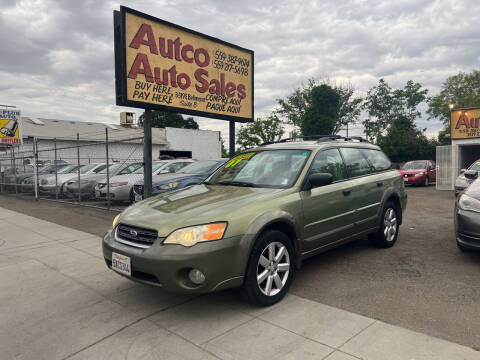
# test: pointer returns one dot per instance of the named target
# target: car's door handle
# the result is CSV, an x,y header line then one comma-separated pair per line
x,y
379,184
347,192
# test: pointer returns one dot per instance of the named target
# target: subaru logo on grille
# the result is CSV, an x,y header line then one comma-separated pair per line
x,y
133,233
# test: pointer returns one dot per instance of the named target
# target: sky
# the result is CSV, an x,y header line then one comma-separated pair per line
x,y
57,56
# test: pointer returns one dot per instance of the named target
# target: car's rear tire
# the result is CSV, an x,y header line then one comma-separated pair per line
x,y
270,269
387,234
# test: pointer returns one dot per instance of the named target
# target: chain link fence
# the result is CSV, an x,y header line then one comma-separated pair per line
x,y
97,171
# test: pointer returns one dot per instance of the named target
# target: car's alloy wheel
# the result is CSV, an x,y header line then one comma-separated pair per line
x,y
390,224
273,269
270,268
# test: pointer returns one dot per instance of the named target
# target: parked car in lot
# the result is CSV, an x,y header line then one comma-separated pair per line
x,y
27,181
462,181
258,217
191,174
119,189
53,185
121,185
467,218
419,172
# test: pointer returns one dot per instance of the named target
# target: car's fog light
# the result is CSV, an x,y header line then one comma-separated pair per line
x,y
196,276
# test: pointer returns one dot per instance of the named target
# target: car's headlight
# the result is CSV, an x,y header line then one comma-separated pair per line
x,y
419,174
171,185
115,221
468,203
115,184
189,236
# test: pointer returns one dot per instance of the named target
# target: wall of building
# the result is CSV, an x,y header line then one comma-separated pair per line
x,y
204,144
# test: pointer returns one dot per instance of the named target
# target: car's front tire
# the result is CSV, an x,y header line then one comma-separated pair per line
x,y
270,269
387,234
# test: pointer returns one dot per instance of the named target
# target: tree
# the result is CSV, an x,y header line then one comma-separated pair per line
x,y
162,119
225,153
385,106
460,90
322,112
260,131
292,109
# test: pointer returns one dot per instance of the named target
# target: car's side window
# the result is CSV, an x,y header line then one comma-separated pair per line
x,y
100,168
378,159
329,161
356,163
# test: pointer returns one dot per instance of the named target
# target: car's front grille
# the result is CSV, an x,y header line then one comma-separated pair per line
x,y
138,189
136,236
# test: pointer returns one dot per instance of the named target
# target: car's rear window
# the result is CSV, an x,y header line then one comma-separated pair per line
x,y
377,159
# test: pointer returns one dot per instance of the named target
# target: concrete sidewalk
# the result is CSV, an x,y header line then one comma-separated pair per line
x,y
59,301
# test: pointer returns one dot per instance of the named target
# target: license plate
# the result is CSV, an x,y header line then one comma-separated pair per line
x,y
121,263
138,197
405,179
97,193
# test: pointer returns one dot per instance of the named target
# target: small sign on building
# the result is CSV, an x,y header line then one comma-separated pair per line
x,y
10,127
163,66
465,123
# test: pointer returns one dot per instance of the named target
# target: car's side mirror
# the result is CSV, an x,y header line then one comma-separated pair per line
x,y
471,174
462,171
317,180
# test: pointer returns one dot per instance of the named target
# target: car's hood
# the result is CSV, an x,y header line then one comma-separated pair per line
x,y
129,178
403,172
63,177
193,205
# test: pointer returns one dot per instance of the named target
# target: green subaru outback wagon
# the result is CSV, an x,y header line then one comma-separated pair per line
x,y
258,216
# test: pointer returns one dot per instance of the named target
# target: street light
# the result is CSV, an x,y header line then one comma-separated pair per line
x,y
450,106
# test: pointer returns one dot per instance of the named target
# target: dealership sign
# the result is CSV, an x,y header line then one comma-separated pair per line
x,y
465,123
163,66
10,127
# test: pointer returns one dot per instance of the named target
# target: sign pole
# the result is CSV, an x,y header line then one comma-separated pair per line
x,y
147,154
232,138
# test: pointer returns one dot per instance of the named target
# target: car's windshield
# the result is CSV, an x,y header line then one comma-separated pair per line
x,y
112,169
67,169
155,166
86,168
415,165
199,167
273,168
475,166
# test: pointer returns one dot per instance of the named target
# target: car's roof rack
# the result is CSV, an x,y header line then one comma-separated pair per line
x,y
318,138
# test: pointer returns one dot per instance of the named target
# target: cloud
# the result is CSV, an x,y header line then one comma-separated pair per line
x,y
58,55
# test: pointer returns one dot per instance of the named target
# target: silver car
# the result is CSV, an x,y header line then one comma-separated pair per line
x,y
462,182
121,186
53,185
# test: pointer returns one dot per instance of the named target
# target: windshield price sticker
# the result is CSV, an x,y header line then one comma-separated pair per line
x,y
237,159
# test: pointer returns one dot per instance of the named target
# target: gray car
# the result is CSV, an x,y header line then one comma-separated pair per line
x,y
467,218
462,182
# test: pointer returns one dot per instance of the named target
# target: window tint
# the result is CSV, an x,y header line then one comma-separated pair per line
x,y
329,161
100,168
356,163
378,159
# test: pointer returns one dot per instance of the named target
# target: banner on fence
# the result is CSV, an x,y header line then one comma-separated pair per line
x,y
10,127
164,66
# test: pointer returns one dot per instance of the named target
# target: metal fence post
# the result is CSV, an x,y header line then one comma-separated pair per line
x,y
78,170
56,170
35,172
14,170
147,154
108,170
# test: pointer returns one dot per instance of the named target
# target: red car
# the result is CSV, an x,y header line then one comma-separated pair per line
x,y
419,172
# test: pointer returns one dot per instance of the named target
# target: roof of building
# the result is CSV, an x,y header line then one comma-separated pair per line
x,y
87,131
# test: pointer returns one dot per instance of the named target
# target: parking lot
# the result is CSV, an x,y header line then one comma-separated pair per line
x,y
424,283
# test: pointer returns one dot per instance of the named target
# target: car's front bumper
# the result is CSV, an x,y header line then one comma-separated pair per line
x,y
467,228
414,180
120,193
223,262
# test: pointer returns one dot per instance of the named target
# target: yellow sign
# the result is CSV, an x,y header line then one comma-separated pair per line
x,y
163,66
10,127
465,123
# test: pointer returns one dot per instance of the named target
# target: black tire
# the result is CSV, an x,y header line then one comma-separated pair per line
x,y
251,288
132,196
427,181
380,239
463,248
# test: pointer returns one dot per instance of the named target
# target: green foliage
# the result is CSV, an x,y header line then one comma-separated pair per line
x,y
225,153
385,106
162,119
293,108
260,131
321,115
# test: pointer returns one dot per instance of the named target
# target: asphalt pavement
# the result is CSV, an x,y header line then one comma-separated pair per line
x,y
424,283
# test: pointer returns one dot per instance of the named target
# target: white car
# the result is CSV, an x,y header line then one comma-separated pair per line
x,y
55,185
121,186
